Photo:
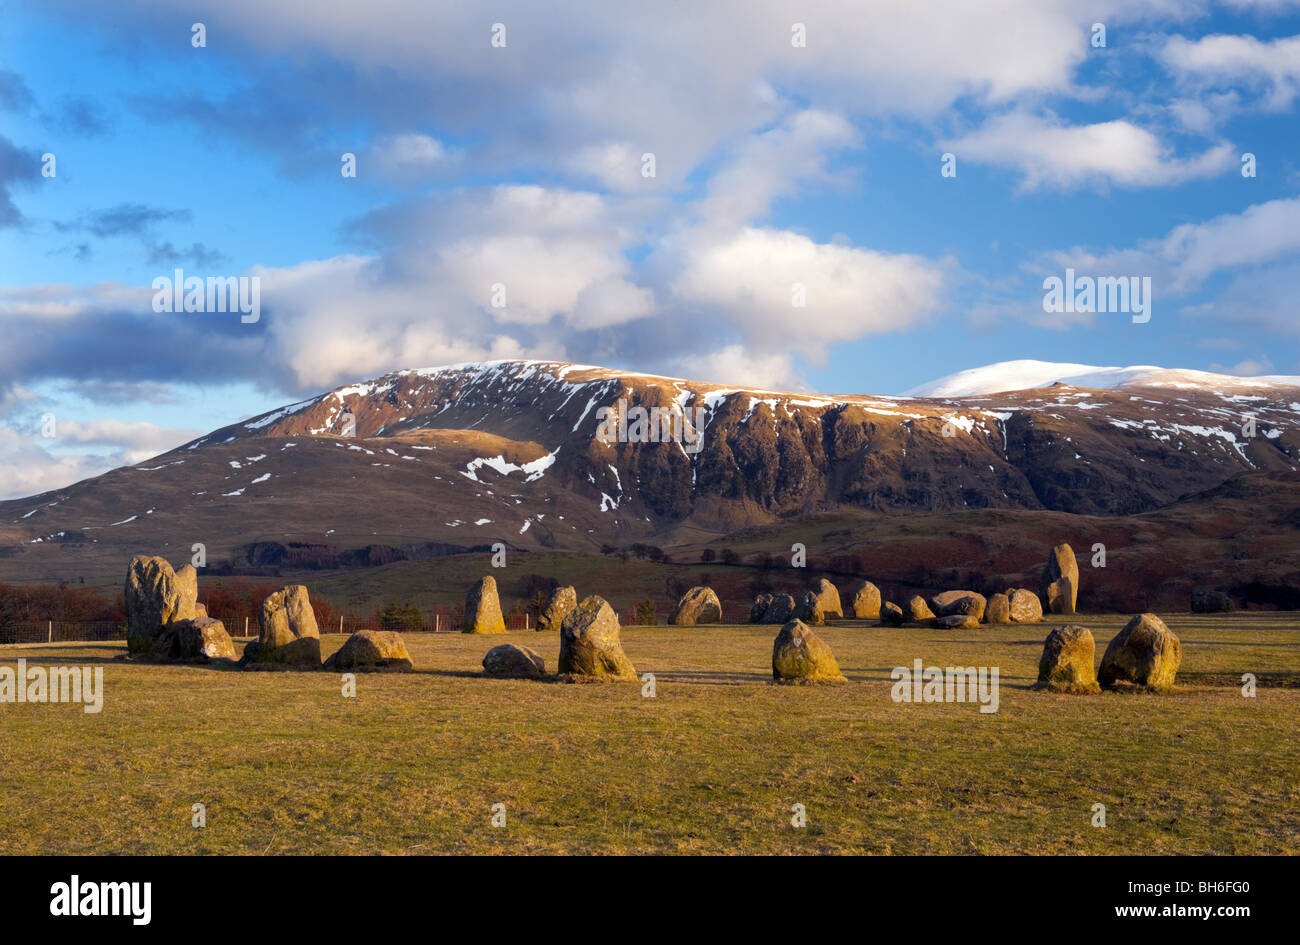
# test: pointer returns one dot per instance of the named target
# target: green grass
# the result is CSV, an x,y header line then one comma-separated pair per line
x,y
713,764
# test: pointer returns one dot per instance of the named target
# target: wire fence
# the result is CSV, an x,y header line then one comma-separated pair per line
x,y
95,631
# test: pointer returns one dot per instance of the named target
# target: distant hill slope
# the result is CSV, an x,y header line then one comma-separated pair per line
x,y
466,455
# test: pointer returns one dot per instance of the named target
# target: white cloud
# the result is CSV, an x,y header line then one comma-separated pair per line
x,y
1273,66
740,367
751,279
1049,152
410,156
1189,254
81,448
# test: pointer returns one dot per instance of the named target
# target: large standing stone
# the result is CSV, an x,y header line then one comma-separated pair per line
x,y
948,603
563,600
698,605
1060,590
1025,606
800,656
866,602
1144,653
1067,661
155,596
891,615
483,608
372,650
508,661
759,608
288,630
917,610
198,640
780,610
998,609
819,603
590,645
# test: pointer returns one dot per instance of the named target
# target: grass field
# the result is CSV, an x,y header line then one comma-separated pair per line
x,y
714,763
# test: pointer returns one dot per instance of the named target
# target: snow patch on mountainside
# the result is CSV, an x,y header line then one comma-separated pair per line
x,y
1027,375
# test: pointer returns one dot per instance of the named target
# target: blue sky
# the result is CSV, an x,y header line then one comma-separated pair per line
x,y
521,165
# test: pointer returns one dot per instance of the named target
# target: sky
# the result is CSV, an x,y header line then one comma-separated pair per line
x,y
837,197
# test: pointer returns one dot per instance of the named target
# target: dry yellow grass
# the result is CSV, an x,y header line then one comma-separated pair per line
x,y
713,763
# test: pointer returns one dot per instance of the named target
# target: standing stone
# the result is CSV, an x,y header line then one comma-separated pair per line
x,y
1067,661
372,650
866,601
483,608
828,598
891,615
698,605
800,656
819,603
780,610
1025,607
589,643
948,603
1145,653
288,630
761,603
563,600
998,609
916,610
1060,589
508,661
155,596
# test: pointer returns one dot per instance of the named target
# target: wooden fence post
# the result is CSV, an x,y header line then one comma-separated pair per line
x,y
51,631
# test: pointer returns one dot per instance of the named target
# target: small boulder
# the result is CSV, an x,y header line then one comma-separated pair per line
x,y
198,640
891,615
562,600
1025,606
508,661
1060,587
1208,601
698,605
590,645
916,610
1145,653
289,635
759,608
800,656
865,604
947,603
957,622
1067,661
483,608
372,650
998,609
780,610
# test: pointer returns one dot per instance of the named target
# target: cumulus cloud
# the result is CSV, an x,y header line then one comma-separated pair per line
x,y
33,463
1049,152
1190,254
757,277
742,367
1273,67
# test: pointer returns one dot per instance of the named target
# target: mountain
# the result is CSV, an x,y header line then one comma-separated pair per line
x,y
460,457
1026,375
